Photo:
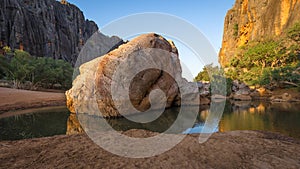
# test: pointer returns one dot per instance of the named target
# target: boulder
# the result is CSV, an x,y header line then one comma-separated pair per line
x,y
286,97
204,90
242,86
204,100
242,97
107,83
243,91
218,97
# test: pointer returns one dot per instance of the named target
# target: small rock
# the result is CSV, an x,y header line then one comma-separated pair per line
x,y
244,91
218,97
242,97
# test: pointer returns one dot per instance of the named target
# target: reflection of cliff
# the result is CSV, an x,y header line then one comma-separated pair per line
x,y
250,20
247,116
278,117
286,118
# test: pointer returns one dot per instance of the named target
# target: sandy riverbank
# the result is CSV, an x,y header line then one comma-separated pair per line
x,y
13,99
238,149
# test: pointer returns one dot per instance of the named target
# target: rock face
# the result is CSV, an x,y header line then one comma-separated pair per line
x,y
44,28
250,20
94,88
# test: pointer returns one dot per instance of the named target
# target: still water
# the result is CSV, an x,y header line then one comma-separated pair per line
x,y
34,123
276,117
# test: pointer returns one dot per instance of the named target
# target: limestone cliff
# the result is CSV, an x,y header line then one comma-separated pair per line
x,y
250,20
44,28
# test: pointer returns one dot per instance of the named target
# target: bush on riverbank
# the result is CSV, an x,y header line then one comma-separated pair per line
x,y
28,72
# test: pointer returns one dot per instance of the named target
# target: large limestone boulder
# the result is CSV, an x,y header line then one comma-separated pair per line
x,y
141,74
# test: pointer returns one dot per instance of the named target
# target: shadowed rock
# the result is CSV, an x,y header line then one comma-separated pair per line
x,y
46,28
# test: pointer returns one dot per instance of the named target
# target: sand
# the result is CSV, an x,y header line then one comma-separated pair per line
x,y
238,149
14,99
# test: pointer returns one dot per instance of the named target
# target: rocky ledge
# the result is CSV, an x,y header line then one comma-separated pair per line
x,y
242,92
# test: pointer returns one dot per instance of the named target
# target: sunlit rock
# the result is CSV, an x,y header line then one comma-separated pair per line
x,y
101,88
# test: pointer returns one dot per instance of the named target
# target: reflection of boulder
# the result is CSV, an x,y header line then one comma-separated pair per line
x,y
98,82
164,122
73,125
161,124
241,104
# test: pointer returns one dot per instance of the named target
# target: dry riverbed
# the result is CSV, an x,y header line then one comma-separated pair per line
x,y
238,149
13,99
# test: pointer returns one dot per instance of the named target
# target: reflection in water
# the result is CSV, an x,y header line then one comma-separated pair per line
x,y
39,123
276,117
161,124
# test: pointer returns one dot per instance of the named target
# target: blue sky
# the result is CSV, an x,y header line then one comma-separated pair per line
x,y
207,15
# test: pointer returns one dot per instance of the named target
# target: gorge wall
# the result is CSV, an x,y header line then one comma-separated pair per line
x,y
250,20
44,28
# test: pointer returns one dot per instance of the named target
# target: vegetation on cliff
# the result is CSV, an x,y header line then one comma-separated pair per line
x,y
251,20
272,62
26,71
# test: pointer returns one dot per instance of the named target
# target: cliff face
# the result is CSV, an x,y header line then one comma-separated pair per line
x,y
250,20
44,28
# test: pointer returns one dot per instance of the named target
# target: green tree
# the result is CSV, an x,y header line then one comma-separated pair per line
x,y
207,72
20,68
48,72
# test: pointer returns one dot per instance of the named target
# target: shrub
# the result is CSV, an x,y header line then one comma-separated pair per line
x,y
236,30
294,32
40,72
